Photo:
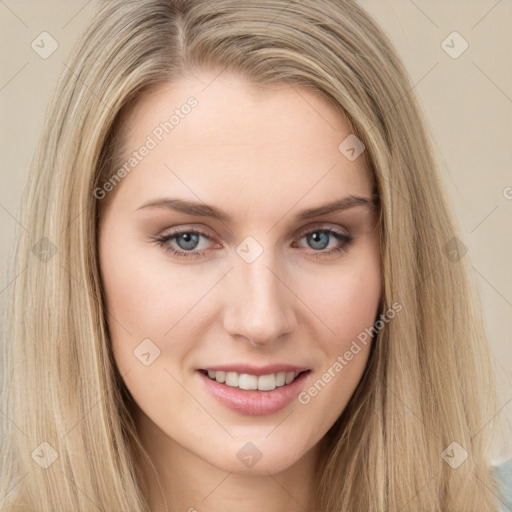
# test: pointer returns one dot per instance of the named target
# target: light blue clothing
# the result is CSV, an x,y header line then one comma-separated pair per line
x,y
503,473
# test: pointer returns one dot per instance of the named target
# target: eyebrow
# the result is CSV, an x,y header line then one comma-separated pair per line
x,y
205,210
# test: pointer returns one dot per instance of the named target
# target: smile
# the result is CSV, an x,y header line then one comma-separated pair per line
x,y
249,382
254,391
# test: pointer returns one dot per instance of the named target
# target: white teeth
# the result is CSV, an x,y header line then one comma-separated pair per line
x,y
289,377
247,381
231,379
252,382
267,382
280,379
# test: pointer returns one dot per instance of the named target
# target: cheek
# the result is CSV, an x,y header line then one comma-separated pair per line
x,y
354,301
146,300
346,300
350,307
137,298
141,294
347,305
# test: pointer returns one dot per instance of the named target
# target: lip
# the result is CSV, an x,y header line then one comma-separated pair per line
x,y
254,402
256,370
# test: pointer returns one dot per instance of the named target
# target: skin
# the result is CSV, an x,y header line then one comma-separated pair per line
x,y
262,154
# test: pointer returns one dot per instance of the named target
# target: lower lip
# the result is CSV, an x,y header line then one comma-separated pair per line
x,y
254,402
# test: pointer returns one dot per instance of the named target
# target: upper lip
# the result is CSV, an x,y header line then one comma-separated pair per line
x,y
255,370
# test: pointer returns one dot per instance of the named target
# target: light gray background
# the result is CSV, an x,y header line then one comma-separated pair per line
x,y
467,101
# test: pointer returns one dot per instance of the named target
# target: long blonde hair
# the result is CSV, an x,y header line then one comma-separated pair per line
x,y
428,382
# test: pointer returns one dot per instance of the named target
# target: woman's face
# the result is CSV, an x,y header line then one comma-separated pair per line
x,y
212,258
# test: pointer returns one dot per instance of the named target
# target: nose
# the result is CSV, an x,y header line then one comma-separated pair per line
x,y
260,305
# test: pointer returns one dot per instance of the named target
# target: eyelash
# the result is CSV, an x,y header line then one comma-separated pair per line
x,y
164,240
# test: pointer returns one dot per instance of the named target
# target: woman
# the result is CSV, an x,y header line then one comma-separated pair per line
x,y
241,287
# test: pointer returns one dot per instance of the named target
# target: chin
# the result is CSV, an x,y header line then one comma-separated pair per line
x,y
259,456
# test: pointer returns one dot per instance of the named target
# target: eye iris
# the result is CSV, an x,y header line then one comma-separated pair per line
x,y
191,240
319,240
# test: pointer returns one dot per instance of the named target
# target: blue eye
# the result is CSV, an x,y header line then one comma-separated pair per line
x,y
190,240
187,242
319,240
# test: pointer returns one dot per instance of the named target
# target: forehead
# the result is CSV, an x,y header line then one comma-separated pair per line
x,y
232,109
240,141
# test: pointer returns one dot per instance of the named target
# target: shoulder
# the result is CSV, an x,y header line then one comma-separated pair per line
x,y
503,475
